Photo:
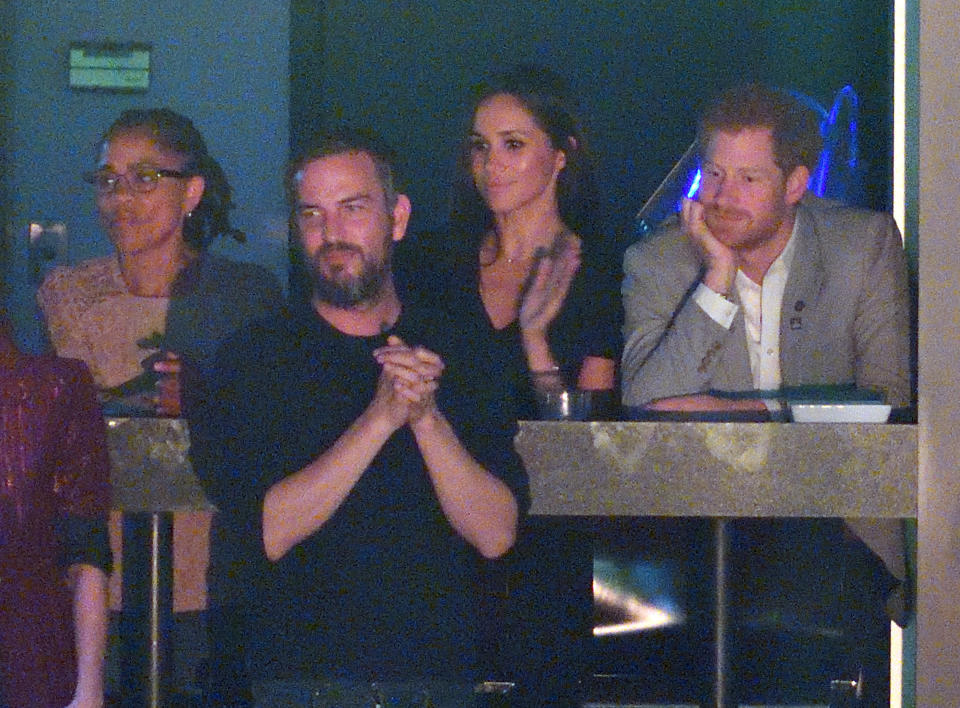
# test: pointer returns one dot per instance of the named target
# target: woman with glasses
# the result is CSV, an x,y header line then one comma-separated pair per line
x,y
152,313
54,550
148,318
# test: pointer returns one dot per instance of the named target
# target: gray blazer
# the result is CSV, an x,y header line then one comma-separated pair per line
x,y
845,316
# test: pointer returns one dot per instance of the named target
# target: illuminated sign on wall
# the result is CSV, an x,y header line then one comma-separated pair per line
x,y
110,67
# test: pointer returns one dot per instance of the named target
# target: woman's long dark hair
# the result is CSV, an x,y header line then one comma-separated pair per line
x,y
546,96
176,133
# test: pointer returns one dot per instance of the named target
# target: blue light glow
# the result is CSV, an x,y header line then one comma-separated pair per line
x,y
834,137
695,185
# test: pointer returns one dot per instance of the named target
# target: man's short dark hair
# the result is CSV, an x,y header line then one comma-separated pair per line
x,y
794,126
340,142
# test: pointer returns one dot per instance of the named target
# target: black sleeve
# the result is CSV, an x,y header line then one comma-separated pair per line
x,y
478,397
237,446
83,540
597,310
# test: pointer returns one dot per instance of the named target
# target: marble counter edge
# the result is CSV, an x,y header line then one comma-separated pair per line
x,y
721,469
621,468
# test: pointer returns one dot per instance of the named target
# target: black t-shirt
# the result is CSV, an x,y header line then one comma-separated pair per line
x,y
385,588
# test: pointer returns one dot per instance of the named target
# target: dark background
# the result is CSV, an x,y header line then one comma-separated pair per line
x,y
642,71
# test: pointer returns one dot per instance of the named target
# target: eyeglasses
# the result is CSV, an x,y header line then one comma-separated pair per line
x,y
140,180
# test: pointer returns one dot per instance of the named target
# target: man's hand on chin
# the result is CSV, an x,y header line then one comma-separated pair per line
x,y
707,403
720,259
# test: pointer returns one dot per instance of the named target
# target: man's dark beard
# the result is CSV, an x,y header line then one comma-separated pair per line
x,y
349,291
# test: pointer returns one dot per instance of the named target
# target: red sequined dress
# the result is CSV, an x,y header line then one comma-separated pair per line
x,y
54,472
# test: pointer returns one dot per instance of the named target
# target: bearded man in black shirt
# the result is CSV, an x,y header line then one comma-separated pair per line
x,y
360,454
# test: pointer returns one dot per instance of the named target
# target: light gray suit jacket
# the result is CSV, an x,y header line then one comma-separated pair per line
x,y
845,316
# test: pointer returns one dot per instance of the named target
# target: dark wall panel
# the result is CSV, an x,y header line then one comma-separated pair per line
x,y
641,69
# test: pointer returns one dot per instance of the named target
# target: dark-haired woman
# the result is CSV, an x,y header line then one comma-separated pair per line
x,y
161,302
528,259
525,263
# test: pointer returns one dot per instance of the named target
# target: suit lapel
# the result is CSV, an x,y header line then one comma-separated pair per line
x,y
800,298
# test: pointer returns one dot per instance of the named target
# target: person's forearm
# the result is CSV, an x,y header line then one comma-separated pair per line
x,y
720,275
665,358
90,631
479,507
543,369
296,506
536,348
597,374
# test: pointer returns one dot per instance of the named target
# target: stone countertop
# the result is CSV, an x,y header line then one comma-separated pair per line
x,y
621,469
150,470
721,469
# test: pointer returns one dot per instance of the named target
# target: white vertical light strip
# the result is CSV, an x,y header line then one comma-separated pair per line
x,y
899,215
896,665
899,111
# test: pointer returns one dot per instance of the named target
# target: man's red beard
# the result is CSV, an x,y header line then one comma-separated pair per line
x,y
733,228
724,214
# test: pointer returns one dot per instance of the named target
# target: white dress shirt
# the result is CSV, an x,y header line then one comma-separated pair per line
x,y
761,303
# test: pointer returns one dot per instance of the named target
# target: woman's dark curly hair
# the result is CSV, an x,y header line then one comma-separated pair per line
x,y
177,134
546,96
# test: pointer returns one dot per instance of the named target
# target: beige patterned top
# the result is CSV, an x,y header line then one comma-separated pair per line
x,y
91,316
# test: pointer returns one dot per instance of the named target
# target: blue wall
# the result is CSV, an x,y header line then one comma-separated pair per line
x,y
223,64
